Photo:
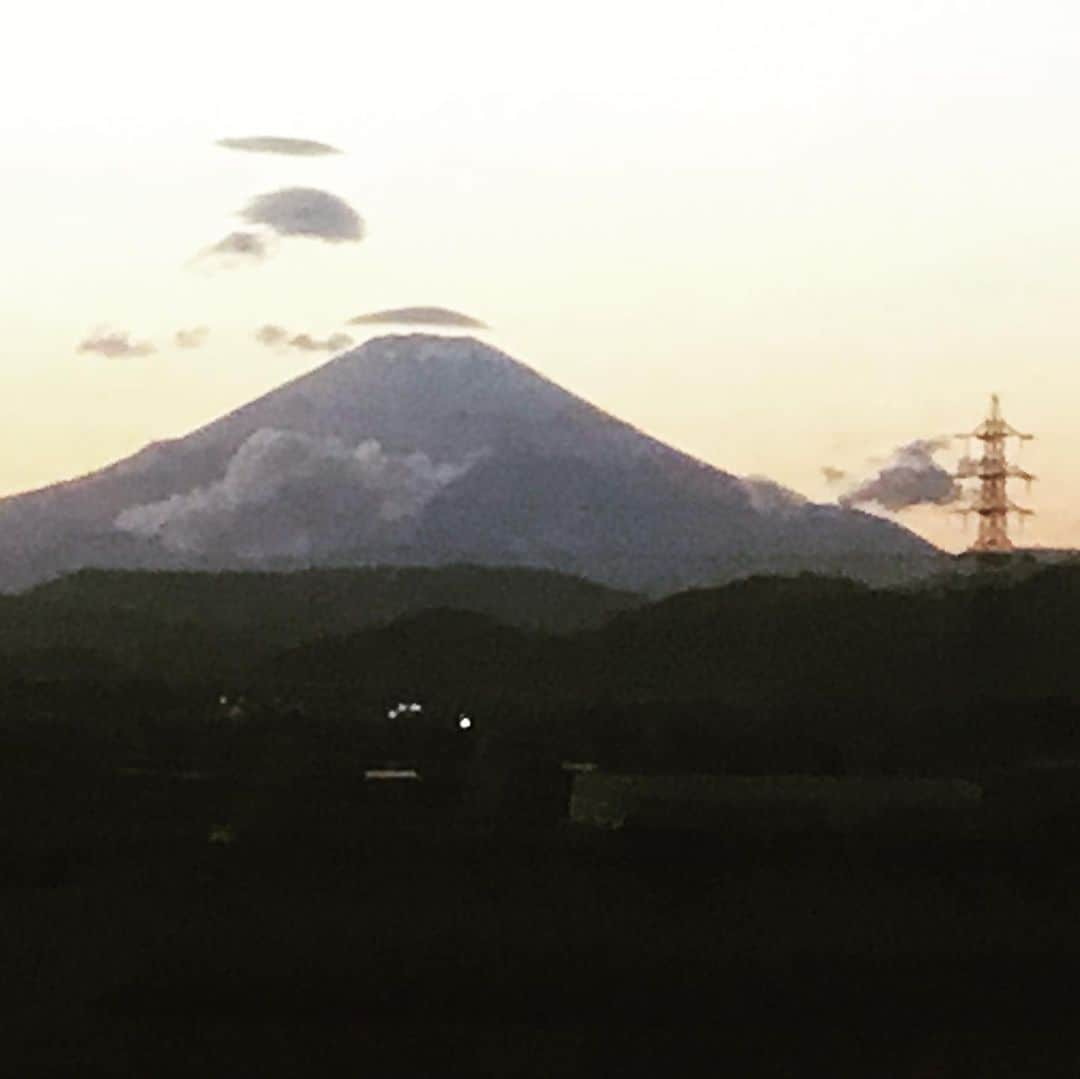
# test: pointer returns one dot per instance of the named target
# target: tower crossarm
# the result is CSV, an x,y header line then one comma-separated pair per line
x,y
991,429
995,427
990,509
991,469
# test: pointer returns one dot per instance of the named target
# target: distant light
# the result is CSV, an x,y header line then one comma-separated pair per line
x,y
415,708
223,699
392,714
464,723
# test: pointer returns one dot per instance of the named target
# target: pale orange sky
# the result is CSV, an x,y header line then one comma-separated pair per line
x,y
776,235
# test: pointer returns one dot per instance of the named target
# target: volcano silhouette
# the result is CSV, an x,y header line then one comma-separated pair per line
x,y
425,450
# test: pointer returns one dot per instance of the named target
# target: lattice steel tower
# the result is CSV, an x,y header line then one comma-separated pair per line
x,y
993,471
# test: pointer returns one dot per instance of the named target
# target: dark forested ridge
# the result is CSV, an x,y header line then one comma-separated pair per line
x,y
191,626
975,670
820,673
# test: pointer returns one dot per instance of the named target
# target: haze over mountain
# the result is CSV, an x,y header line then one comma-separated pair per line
x,y
422,449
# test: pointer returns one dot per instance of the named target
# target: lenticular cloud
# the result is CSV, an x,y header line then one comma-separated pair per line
x,y
308,212
277,144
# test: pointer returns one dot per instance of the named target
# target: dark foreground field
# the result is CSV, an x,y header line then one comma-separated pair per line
x,y
444,951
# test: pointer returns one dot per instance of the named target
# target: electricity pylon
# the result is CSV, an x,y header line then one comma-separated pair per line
x,y
993,471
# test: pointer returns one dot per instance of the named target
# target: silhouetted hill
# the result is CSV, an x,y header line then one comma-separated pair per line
x,y
799,670
931,678
190,624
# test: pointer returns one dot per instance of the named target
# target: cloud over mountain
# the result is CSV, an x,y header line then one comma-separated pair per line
x,y
276,144
911,477
306,212
285,493
419,316
115,344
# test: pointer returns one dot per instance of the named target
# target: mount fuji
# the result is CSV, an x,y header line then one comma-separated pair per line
x,y
427,450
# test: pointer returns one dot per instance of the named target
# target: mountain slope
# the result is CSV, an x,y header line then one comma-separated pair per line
x,y
425,450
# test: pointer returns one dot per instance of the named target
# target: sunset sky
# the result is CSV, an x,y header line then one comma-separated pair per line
x,y
777,235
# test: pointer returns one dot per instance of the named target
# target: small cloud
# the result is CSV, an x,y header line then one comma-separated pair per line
x,y
833,476
192,338
276,144
115,344
239,246
334,343
419,316
271,336
911,477
308,212
278,337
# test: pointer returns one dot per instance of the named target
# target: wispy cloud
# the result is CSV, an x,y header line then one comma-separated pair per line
x,y
276,144
419,316
306,212
237,248
115,344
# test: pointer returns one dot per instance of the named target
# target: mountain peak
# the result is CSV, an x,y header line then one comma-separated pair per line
x,y
429,349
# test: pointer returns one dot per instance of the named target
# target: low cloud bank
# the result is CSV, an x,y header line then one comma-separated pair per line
x,y
289,494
